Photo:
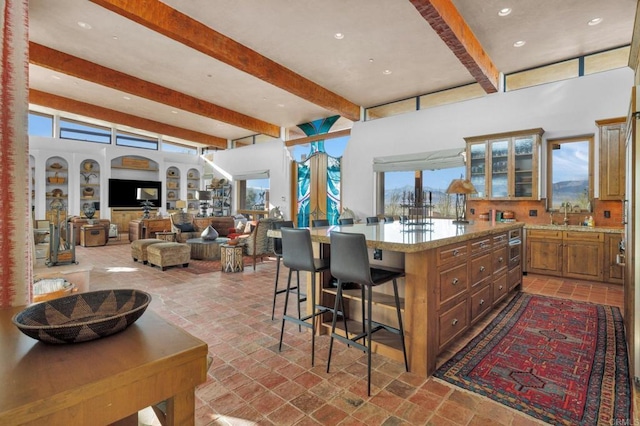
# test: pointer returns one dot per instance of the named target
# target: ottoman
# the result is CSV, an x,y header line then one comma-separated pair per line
x,y
139,248
168,254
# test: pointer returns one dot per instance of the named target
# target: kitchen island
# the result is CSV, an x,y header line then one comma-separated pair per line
x,y
454,275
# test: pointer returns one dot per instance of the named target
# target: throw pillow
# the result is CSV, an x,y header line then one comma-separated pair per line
x,y
185,227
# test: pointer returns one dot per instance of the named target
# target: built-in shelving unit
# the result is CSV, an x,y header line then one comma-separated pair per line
x,y
173,187
57,181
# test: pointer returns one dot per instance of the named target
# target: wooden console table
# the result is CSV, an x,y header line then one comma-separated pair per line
x,y
147,228
102,381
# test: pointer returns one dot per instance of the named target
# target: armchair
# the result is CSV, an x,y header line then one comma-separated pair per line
x,y
257,242
183,225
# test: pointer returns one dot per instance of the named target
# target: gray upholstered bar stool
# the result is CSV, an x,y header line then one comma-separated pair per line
x,y
319,222
346,221
372,219
350,264
297,255
277,251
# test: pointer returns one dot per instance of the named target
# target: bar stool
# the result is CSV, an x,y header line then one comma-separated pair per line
x,y
350,263
372,219
297,255
277,251
347,221
319,222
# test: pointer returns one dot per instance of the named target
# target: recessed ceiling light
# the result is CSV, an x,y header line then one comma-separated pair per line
x,y
504,11
173,111
371,60
594,21
338,36
386,72
281,105
519,43
115,37
55,77
84,25
126,97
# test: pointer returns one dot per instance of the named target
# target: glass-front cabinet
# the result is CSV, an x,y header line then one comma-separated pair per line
x,y
504,166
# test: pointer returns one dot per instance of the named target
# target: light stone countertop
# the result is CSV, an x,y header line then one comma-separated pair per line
x,y
577,228
410,239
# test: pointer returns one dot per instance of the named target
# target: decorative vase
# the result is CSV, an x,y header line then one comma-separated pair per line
x,y
89,210
209,234
88,166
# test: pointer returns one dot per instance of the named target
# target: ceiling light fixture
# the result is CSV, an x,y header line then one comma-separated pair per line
x,y
594,21
115,37
519,43
504,11
173,111
387,72
126,97
338,36
55,77
84,25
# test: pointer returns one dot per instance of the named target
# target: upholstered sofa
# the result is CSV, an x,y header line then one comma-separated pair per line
x,y
77,222
187,225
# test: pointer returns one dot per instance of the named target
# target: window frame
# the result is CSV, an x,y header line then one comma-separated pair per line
x,y
63,120
549,163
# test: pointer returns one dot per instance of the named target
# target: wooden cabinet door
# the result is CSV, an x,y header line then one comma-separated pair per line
x,y
583,259
612,160
613,273
544,257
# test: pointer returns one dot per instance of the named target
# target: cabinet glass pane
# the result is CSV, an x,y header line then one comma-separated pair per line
x,y
499,168
523,166
478,153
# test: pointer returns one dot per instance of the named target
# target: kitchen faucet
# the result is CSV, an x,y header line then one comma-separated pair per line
x,y
566,218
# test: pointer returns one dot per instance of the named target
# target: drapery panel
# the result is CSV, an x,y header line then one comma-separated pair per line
x,y
16,240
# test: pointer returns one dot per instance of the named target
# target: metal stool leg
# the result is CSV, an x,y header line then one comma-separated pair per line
x,y
275,288
400,326
286,304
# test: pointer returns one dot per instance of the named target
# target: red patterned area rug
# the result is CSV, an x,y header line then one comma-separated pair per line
x,y
557,360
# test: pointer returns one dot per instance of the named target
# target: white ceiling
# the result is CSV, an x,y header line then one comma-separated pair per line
x,y
379,35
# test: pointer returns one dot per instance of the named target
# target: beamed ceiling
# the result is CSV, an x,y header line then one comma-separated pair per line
x,y
206,71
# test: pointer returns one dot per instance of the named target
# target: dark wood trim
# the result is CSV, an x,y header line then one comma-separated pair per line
x,y
447,22
59,61
82,108
160,17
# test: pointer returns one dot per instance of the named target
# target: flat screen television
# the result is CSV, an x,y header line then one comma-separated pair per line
x,y
123,192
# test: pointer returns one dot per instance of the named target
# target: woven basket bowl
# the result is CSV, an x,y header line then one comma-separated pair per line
x,y
82,317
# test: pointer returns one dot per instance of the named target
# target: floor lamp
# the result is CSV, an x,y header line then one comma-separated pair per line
x,y
462,188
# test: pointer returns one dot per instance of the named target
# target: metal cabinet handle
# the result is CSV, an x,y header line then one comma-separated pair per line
x,y
455,281
482,268
483,245
455,321
481,302
500,260
455,252
500,288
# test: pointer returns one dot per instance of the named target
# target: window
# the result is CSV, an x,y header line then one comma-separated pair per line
x,y
398,185
570,174
40,124
136,141
176,147
254,194
75,130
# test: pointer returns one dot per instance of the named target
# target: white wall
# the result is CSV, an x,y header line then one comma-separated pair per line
x,y
567,108
272,156
562,109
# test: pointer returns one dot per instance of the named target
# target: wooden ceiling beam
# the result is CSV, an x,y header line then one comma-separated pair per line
x,y
447,22
165,20
58,61
49,100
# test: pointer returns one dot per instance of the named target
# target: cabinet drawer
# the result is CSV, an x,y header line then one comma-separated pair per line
x,y
544,234
480,246
500,288
500,240
452,252
452,323
481,302
452,282
583,236
514,277
515,234
480,268
500,259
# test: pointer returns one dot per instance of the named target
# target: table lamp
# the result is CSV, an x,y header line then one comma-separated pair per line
x,y
203,197
462,188
145,196
181,204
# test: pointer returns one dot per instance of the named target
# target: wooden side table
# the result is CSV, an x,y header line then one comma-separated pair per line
x,y
231,258
166,236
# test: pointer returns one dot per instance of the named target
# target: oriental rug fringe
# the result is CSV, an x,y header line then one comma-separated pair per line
x,y
560,361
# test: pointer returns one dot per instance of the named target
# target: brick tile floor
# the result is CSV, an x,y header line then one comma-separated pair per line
x,y
251,382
